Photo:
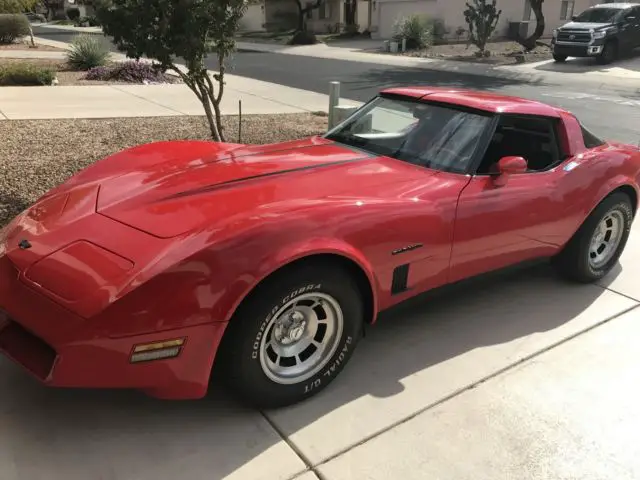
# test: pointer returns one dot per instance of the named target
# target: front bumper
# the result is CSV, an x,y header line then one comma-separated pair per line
x,y
577,50
75,356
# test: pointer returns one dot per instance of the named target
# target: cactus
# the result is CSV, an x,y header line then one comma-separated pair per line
x,y
482,16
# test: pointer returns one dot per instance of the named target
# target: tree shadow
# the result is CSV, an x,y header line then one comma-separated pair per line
x,y
78,434
392,77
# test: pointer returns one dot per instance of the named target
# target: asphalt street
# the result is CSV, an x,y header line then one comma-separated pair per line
x,y
612,116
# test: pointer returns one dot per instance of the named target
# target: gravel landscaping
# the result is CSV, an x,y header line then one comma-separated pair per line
x,y
36,155
502,53
65,75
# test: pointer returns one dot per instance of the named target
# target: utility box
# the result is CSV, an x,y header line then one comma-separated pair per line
x,y
518,30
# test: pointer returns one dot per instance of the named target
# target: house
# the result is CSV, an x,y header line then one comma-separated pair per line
x,y
328,18
379,16
556,12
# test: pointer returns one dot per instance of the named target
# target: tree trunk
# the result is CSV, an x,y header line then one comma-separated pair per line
x,y
531,42
301,12
350,12
206,100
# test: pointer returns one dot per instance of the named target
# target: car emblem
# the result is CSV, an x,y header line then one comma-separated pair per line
x,y
24,244
572,37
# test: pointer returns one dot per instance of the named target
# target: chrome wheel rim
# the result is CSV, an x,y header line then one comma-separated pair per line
x,y
606,239
301,338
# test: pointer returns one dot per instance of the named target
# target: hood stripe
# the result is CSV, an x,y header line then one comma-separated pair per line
x,y
229,183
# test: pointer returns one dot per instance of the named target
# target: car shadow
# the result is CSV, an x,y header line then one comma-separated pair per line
x,y
77,434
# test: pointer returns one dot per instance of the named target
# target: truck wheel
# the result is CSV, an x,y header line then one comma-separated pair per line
x,y
292,336
597,245
559,58
609,53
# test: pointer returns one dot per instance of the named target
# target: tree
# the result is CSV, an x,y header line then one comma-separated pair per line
x,y
531,42
20,6
302,12
168,30
482,17
350,14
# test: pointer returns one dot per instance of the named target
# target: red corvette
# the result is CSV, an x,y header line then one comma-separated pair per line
x,y
144,268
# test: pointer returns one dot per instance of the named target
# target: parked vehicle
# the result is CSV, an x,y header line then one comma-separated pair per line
x,y
147,267
602,31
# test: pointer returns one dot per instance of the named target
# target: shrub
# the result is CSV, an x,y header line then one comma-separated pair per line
x,y
440,31
24,74
303,38
482,17
12,27
131,71
417,29
86,52
59,16
73,13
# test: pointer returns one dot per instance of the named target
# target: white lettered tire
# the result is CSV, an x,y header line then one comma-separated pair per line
x,y
293,335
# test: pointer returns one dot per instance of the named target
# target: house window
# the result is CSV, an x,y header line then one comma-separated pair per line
x,y
566,9
324,12
309,11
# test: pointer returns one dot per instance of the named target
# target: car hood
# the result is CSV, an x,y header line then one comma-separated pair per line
x,y
172,188
584,26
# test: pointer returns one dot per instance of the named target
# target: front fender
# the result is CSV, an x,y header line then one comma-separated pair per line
x,y
297,251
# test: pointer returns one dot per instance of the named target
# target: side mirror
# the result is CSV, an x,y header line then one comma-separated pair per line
x,y
574,18
630,19
509,166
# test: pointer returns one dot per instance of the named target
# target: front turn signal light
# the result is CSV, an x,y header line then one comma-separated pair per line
x,y
146,352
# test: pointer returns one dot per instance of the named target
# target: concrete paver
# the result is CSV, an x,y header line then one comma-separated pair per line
x,y
624,278
79,435
29,54
307,476
570,414
423,353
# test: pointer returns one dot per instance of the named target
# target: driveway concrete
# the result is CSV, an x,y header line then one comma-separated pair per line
x,y
570,414
522,376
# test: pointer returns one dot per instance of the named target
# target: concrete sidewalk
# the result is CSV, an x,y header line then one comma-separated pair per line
x,y
102,101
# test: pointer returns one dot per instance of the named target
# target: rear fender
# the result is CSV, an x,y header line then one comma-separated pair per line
x,y
613,184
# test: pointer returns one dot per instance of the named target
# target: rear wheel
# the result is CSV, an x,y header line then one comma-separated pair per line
x,y
293,335
597,245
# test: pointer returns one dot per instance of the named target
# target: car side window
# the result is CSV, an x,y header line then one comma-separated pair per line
x,y
590,140
531,137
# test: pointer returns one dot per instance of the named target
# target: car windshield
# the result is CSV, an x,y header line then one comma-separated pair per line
x,y
598,15
434,136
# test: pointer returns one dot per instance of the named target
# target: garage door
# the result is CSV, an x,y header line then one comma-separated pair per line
x,y
388,12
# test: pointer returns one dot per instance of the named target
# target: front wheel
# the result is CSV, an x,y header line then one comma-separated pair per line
x,y
293,336
597,245
559,58
609,53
